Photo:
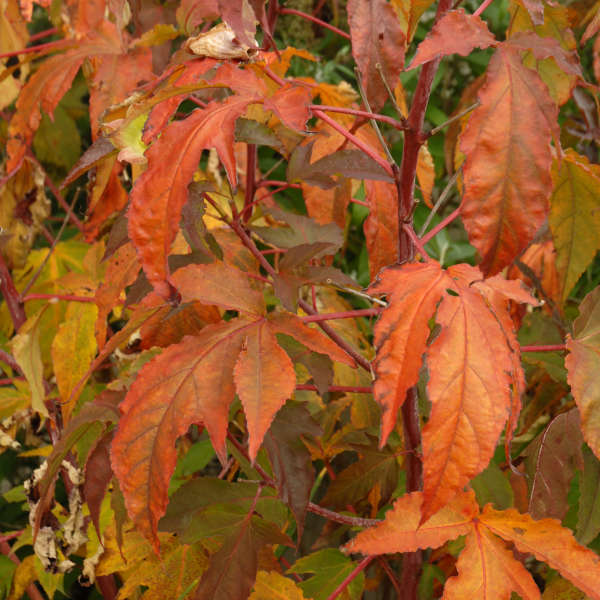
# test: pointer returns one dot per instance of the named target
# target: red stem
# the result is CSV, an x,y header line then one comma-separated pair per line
x,y
363,564
357,389
368,150
361,113
546,348
43,34
9,291
59,198
391,575
11,536
66,297
250,182
5,357
273,182
408,229
443,223
482,7
58,45
348,314
293,11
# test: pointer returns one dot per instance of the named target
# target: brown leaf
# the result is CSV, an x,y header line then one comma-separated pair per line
x,y
377,38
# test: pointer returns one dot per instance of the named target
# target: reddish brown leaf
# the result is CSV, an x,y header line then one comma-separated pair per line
x,y
402,531
98,151
455,33
377,38
160,192
98,474
188,383
239,15
504,206
264,379
487,569
401,333
552,460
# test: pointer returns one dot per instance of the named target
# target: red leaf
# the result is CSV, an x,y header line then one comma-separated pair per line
x,y
504,205
160,192
455,33
377,38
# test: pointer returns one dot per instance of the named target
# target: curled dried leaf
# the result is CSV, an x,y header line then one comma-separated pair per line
x,y
219,42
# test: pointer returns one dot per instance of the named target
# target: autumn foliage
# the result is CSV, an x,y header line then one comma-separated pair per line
x,y
299,304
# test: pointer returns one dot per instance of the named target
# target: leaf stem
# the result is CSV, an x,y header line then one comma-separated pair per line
x,y
31,589
401,125
368,150
43,34
5,357
482,7
56,45
462,113
439,202
382,560
250,182
544,348
363,564
349,314
443,223
298,13
57,297
408,229
339,518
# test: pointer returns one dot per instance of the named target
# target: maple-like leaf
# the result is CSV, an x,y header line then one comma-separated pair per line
x,y
290,104
507,167
583,365
488,569
402,530
455,33
160,193
549,542
574,217
196,380
471,365
273,586
377,39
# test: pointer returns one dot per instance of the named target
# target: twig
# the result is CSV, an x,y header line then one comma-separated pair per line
x,y
350,314
482,7
363,564
390,93
52,247
339,518
250,182
373,122
439,202
395,123
544,348
297,13
368,150
443,223
462,113
349,389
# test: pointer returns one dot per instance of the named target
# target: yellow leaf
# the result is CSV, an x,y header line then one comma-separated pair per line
x,y
426,173
73,350
273,586
26,350
24,576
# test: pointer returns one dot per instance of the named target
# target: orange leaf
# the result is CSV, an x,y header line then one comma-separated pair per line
x,y
264,379
401,333
583,366
507,166
548,541
487,569
401,532
188,383
377,38
455,33
381,224
48,85
218,284
290,104
160,192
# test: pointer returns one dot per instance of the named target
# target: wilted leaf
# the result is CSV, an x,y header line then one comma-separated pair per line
x,y
377,38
